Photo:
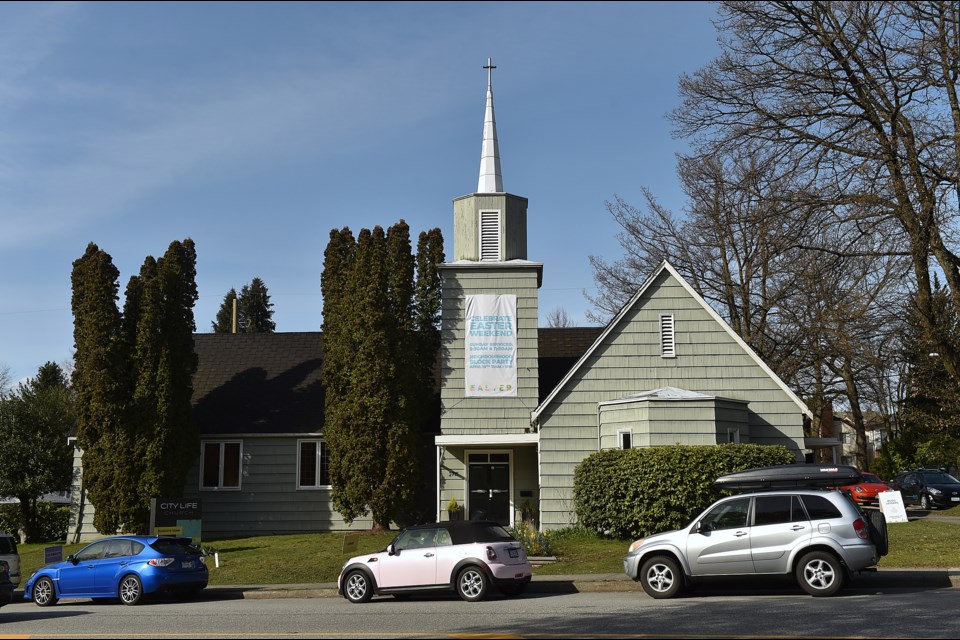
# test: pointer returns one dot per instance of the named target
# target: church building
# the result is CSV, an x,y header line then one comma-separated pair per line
x,y
520,405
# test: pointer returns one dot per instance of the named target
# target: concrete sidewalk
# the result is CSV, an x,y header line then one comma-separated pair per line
x,y
610,582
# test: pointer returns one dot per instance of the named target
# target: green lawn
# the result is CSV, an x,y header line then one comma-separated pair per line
x,y
309,558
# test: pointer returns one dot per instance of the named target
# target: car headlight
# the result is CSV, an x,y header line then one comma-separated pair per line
x,y
636,545
934,491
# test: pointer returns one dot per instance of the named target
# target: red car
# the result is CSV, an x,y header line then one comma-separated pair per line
x,y
865,493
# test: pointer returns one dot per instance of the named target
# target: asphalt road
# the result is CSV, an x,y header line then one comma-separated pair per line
x,y
775,609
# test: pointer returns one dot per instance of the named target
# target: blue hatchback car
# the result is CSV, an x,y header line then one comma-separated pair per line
x,y
125,567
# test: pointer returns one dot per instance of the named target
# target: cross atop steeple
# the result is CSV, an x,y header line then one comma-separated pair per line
x,y
490,67
490,179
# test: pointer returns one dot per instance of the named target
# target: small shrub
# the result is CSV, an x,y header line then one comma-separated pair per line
x,y
535,543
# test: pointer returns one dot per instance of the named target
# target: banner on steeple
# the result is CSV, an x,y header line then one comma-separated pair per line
x,y
490,349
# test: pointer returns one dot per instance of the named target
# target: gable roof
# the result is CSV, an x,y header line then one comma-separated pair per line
x,y
270,383
624,311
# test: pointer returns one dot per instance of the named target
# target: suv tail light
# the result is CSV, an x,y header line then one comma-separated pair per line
x,y
861,528
491,554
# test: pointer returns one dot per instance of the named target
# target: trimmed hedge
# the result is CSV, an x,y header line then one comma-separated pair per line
x,y
631,493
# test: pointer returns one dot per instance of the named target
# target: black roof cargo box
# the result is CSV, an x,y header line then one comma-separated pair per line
x,y
789,476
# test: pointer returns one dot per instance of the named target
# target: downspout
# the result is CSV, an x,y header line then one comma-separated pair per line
x,y
439,478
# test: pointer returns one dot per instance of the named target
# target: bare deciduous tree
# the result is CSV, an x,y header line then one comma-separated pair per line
x,y
865,96
559,318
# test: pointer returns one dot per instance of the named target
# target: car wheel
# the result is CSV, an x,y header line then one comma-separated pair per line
x,y
357,587
661,577
820,573
878,532
43,593
925,502
472,584
131,590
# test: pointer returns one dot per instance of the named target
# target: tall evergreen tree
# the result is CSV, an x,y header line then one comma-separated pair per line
x,y
929,416
173,442
256,308
224,320
100,404
148,444
376,297
253,308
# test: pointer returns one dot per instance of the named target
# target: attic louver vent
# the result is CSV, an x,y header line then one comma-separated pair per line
x,y
490,235
667,338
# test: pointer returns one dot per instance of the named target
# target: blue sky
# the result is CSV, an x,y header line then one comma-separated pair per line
x,y
256,128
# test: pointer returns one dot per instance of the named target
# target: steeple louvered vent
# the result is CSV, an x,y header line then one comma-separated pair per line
x,y
490,236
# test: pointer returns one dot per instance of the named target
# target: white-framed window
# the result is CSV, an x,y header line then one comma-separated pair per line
x,y
668,344
313,464
625,439
220,465
733,436
490,236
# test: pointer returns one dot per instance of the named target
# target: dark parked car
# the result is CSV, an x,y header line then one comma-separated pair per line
x,y
125,567
6,587
929,488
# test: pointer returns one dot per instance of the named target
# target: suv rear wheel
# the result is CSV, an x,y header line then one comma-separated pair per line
x,y
661,577
820,573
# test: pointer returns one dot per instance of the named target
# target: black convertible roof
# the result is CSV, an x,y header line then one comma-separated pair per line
x,y
789,476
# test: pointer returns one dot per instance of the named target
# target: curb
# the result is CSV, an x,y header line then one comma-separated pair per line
x,y
609,583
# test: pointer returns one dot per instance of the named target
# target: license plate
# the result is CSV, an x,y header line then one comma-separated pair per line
x,y
186,564
955,499
513,552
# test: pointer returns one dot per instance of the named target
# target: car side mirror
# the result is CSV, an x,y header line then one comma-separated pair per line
x,y
391,551
72,559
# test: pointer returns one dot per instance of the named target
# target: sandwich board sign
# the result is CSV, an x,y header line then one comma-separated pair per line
x,y
891,505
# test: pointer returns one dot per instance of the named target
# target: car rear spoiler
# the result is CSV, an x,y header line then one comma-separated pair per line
x,y
789,476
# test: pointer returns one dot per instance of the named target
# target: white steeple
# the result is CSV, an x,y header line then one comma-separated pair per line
x,y
490,179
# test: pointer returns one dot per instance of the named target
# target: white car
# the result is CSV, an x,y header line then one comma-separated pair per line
x,y
468,557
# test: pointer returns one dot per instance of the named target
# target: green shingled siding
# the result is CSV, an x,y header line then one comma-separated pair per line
x,y
462,415
513,225
708,361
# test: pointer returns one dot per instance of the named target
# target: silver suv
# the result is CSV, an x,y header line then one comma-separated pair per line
x,y
8,553
817,535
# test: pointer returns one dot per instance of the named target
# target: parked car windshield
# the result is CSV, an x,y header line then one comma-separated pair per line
x,y
7,545
869,477
939,478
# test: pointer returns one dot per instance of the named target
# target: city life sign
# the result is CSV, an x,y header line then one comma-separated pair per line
x,y
176,517
490,349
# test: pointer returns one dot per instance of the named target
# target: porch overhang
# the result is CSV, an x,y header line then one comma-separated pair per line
x,y
486,440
